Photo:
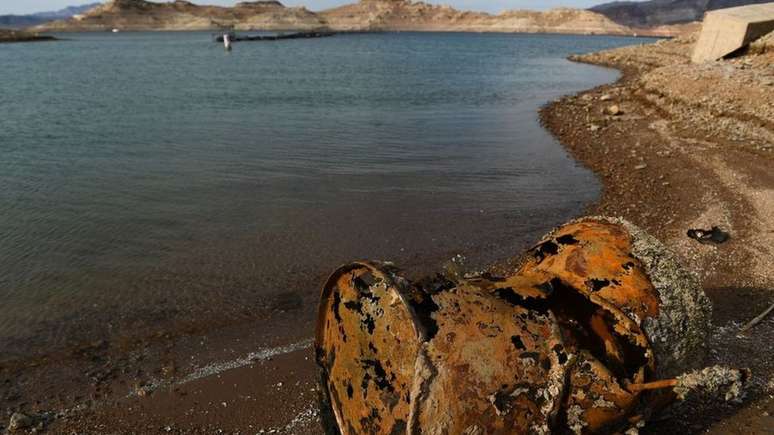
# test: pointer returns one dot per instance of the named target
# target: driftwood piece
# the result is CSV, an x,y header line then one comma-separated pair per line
x,y
756,320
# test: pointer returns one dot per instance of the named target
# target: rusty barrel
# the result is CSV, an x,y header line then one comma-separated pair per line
x,y
561,344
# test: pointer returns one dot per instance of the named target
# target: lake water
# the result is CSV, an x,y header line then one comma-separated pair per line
x,y
151,179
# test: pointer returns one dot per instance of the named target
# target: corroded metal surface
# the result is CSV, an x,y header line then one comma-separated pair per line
x,y
594,257
596,400
504,364
557,346
367,344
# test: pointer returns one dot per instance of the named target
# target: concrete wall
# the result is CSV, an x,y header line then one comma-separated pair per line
x,y
727,30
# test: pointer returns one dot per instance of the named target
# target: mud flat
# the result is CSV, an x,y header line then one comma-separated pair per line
x,y
681,146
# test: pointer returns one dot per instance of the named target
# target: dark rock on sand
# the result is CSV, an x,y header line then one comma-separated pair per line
x,y
19,421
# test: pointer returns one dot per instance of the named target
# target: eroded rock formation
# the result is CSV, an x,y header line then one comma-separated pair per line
x,y
183,15
365,15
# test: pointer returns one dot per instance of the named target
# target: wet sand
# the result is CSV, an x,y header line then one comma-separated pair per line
x,y
661,170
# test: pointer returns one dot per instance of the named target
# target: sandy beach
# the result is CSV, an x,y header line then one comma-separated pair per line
x,y
677,147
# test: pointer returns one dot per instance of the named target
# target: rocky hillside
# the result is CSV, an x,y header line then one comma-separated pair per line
x,y
561,20
365,15
399,15
420,16
183,15
661,12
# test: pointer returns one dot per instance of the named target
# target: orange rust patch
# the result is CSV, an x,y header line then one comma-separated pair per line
x,y
498,366
596,400
595,258
367,344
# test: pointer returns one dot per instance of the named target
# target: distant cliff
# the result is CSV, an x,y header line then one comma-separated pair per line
x,y
365,15
21,21
664,12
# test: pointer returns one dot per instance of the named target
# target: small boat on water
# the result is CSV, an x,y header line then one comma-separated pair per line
x,y
227,42
115,30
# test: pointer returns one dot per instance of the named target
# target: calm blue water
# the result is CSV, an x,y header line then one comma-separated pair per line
x,y
152,178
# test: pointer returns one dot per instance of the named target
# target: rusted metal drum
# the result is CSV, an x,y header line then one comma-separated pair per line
x,y
630,311
562,344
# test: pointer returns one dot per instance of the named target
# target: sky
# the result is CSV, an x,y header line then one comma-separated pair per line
x,y
30,6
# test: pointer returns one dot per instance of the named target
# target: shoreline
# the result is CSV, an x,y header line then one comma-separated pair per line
x,y
668,173
153,374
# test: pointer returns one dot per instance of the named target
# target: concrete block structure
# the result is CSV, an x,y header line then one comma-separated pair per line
x,y
725,31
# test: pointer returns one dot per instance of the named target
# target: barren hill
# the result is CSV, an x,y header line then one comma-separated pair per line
x,y
560,20
420,16
183,15
400,15
365,15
